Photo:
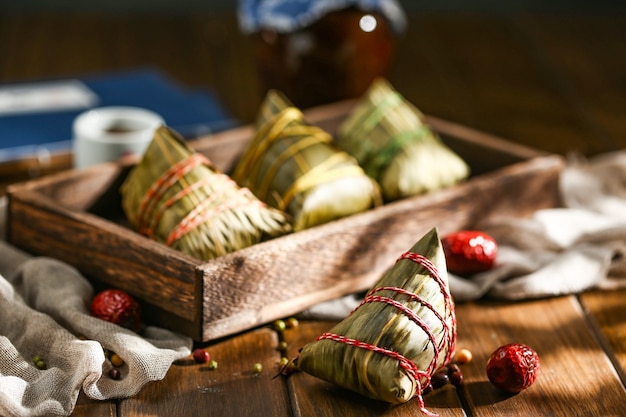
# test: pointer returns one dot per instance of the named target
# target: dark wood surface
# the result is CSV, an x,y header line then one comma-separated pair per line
x,y
554,82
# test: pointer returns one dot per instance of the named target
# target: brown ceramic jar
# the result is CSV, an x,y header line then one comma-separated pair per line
x,y
334,58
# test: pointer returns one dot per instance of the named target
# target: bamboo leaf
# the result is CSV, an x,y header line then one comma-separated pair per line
x,y
296,167
389,139
177,197
402,333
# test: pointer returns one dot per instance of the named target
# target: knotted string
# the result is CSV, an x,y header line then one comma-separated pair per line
x,y
152,208
288,127
162,184
421,377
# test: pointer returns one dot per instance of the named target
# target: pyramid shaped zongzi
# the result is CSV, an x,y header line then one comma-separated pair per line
x,y
175,196
393,144
294,166
398,337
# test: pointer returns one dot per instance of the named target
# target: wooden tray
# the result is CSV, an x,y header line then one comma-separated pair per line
x,y
75,216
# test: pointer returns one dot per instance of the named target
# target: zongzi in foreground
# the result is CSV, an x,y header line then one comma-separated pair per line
x,y
388,137
176,196
295,167
390,346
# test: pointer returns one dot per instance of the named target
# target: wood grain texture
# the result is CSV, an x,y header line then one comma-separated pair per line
x,y
86,407
233,389
312,396
99,248
607,316
575,371
552,82
548,81
584,63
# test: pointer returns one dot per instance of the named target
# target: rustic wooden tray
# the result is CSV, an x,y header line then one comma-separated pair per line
x,y
75,216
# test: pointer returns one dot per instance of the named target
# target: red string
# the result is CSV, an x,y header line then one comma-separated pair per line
x,y
156,218
200,214
161,185
447,297
448,330
406,364
151,209
415,318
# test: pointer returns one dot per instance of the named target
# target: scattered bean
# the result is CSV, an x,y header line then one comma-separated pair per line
x,y
464,356
39,362
116,360
279,325
453,367
292,322
282,346
439,379
456,378
201,355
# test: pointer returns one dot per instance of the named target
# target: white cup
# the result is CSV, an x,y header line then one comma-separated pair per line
x,y
108,133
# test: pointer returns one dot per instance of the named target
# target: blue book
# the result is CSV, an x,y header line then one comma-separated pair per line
x,y
37,117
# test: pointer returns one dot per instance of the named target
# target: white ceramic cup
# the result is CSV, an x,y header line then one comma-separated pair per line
x,y
108,133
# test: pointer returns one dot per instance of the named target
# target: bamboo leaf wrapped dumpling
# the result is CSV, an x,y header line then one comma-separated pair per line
x,y
398,337
175,196
295,167
389,138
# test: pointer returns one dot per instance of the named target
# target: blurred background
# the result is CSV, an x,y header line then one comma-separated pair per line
x,y
551,75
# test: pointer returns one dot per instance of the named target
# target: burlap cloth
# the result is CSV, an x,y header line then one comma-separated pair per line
x,y
44,311
576,247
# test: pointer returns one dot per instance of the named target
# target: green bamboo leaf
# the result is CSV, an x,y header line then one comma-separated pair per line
x,y
177,197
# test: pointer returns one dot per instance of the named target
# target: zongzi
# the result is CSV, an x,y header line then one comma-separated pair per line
x,y
175,196
388,137
294,166
404,330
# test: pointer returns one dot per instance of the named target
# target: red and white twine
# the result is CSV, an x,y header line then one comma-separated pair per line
x,y
161,186
422,377
152,208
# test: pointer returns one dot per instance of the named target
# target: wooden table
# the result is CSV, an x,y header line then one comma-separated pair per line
x,y
581,342
554,82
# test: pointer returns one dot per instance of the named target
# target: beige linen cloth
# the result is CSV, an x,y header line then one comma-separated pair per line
x,y
566,250
578,246
44,311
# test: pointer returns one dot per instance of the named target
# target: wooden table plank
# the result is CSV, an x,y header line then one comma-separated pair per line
x,y
584,55
86,407
312,396
607,311
549,82
233,389
481,70
575,371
